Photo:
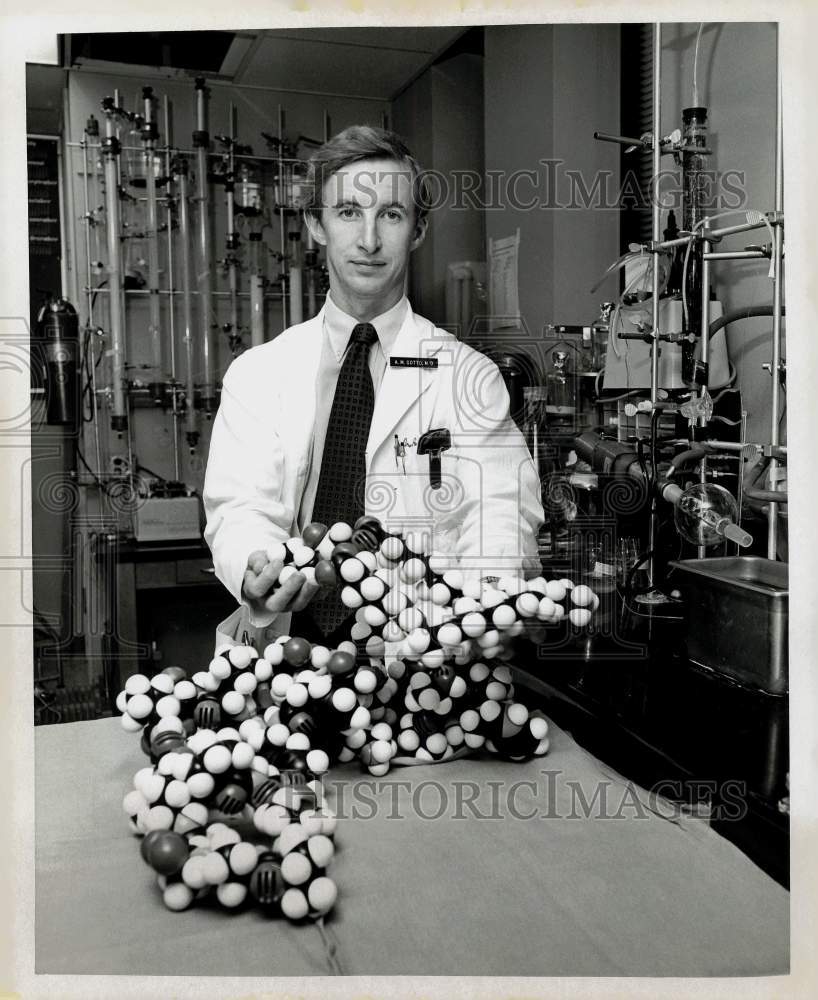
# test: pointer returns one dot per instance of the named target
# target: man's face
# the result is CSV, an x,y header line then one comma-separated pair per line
x,y
368,227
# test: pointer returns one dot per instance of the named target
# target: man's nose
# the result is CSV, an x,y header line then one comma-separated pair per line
x,y
368,236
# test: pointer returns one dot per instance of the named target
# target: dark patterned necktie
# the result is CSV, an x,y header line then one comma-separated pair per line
x,y
342,480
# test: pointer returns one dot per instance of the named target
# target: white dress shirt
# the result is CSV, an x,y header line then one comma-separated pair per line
x,y
338,327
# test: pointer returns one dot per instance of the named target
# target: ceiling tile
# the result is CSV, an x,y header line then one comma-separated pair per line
x,y
409,39
297,64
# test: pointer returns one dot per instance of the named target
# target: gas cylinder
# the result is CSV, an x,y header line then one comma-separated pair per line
x,y
58,332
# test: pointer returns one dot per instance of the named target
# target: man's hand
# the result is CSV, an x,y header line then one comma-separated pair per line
x,y
259,578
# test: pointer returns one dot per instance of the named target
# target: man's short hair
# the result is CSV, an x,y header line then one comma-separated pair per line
x,y
356,143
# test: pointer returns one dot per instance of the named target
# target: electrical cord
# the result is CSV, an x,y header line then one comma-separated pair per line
x,y
750,215
750,312
150,472
98,482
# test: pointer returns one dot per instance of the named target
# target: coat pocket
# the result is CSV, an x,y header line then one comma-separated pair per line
x,y
230,632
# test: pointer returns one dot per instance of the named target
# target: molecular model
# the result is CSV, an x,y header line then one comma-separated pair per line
x,y
231,807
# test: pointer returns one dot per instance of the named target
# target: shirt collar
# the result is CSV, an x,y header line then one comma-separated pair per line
x,y
339,326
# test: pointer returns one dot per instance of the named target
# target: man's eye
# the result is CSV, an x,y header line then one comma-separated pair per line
x,y
347,212
394,215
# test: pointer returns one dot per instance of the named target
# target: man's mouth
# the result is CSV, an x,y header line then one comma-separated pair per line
x,y
369,263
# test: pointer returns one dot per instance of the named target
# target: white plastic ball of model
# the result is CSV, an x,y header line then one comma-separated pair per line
x,y
582,596
215,869
233,702
217,759
297,695
242,756
503,616
177,896
184,690
231,894
350,598
392,547
369,559
240,656
177,794
473,624
295,868
516,628
220,668
374,617
245,683
321,850
317,761
465,605
527,605
319,657
555,589
418,640
408,740
274,654
303,555
193,872
580,617
547,609
488,639
352,570
392,632
433,659
413,570
294,904
372,588
410,619
359,631
395,602
340,532
140,706
137,684
491,597
449,634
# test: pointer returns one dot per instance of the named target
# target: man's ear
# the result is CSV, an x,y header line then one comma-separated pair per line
x,y
420,232
313,223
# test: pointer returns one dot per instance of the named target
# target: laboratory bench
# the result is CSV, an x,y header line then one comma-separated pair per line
x,y
469,867
577,863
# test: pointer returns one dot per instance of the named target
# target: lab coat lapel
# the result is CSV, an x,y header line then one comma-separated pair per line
x,y
402,387
304,356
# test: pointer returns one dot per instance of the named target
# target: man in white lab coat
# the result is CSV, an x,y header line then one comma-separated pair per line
x,y
480,508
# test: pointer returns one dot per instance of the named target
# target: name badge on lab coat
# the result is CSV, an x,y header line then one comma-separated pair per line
x,y
412,362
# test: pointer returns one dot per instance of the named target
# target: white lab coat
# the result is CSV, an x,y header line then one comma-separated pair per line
x,y
484,516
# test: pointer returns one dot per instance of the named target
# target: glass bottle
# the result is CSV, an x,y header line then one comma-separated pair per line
x,y
600,330
561,395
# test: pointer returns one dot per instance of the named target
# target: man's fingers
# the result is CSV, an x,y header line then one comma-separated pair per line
x,y
259,584
282,598
257,560
305,595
